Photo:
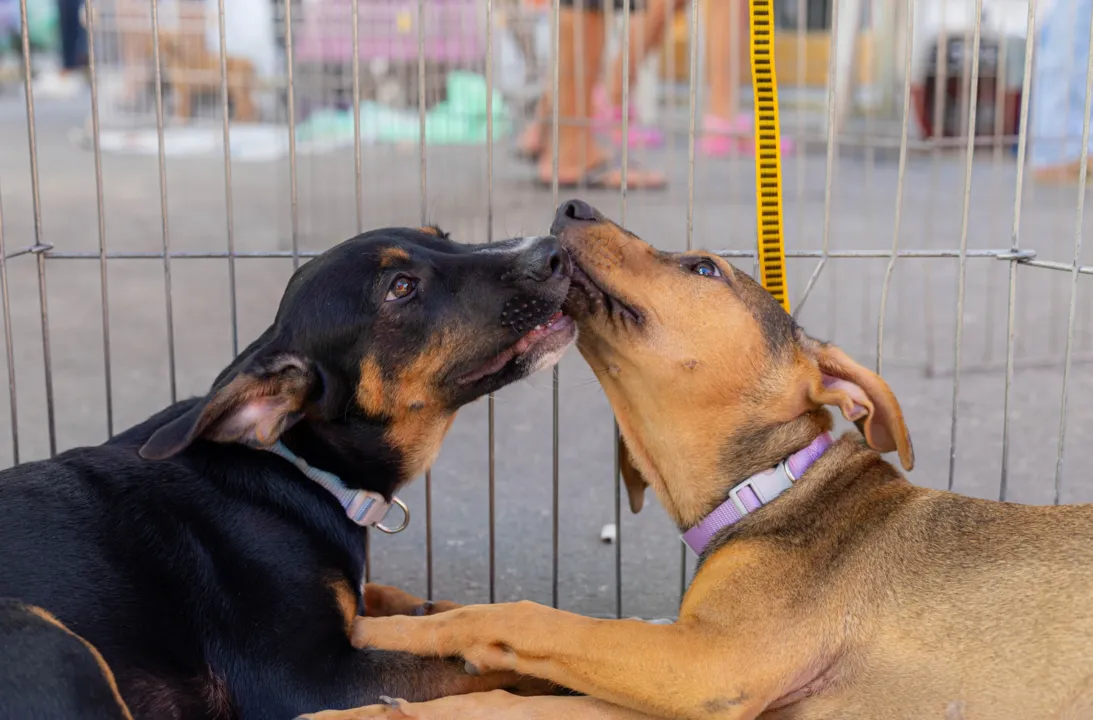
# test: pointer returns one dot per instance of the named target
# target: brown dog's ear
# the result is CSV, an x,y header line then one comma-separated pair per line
x,y
254,408
864,399
635,483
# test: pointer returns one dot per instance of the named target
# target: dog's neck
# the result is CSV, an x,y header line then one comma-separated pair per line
x,y
743,455
359,455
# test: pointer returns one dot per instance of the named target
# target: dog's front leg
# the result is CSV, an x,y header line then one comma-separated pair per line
x,y
684,670
496,705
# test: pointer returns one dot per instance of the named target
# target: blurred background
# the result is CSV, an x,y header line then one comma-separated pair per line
x,y
171,162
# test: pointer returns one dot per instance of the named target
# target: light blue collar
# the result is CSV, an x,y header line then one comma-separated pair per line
x,y
363,507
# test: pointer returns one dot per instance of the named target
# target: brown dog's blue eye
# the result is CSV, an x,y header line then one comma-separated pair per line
x,y
402,288
706,269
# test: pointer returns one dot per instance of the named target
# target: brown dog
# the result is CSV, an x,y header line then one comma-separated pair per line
x,y
186,62
853,594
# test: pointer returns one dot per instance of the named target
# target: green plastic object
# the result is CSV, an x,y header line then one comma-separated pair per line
x,y
42,24
459,120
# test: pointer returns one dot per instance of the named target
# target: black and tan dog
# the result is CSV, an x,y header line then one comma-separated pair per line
x,y
827,588
212,555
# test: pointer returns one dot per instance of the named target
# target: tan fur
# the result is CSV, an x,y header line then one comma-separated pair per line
x,y
346,600
418,420
106,671
855,595
385,601
394,256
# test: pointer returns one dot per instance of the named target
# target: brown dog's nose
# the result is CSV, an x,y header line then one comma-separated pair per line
x,y
573,211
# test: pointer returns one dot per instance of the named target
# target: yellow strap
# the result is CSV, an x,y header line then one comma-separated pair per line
x,y
768,152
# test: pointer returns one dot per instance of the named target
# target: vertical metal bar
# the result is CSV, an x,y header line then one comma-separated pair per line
x,y
424,214
229,207
9,345
622,220
693,93
294,205
996,158
43,304
901,178
973,104
163,207
829,173
966,88
1068,357
104,286
667,50
358,189
555,454
1056,288
490,409
1011,315
358,185
941,88
799,160
422,173
578,78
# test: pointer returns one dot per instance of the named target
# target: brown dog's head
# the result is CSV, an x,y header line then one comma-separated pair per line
x,y
376,344
710,379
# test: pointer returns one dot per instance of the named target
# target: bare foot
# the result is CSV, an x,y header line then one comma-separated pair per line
x,y
599,172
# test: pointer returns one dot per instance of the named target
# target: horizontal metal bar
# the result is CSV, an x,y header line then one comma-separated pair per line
x,y
197,255
1022,256
1066,267
32,250
1033,363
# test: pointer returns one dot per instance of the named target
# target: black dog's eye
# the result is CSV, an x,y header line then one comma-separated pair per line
x,y
706,269
402,288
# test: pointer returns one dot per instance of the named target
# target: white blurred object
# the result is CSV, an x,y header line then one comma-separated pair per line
x,y
509,64
609,533
248,31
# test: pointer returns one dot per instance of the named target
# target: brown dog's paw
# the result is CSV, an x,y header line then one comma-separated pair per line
x,y
493,705
390,709
387,601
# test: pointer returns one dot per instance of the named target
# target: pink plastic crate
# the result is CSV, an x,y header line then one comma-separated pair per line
x,y
389,30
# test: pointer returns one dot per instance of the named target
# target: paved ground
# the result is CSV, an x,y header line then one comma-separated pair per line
x,y
918,351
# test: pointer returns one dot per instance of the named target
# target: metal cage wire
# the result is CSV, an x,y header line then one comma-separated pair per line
x,y
921,165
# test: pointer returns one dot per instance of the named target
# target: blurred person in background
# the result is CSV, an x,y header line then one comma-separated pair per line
x,y
725,130
71,77
582,161
1059,102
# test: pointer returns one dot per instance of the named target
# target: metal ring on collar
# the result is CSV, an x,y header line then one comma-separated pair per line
x,y
405,519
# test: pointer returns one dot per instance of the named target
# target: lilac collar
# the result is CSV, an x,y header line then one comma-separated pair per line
x,y
755,492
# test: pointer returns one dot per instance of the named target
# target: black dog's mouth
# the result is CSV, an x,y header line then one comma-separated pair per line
x,y
550,336
587,296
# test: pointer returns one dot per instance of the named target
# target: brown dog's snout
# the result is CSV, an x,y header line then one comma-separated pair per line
x,y
572,212
544,261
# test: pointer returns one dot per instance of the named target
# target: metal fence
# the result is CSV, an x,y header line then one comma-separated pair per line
x,y
911,233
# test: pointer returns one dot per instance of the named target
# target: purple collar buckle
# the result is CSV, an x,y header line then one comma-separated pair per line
x,y
755,492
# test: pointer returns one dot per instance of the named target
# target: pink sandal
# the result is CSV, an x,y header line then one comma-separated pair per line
x,y
723,137
609,118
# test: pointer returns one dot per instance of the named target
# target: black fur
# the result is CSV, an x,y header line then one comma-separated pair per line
x,y
204,577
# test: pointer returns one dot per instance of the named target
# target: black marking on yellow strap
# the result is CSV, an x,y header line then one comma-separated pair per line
x,y
768,152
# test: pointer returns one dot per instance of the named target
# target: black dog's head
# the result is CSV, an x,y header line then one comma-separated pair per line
x,y
377,343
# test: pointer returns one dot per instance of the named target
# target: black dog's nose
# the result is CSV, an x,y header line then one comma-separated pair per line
x,y
545,260
573,211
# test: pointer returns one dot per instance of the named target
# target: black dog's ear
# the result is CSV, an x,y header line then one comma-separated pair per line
x,y
263,400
